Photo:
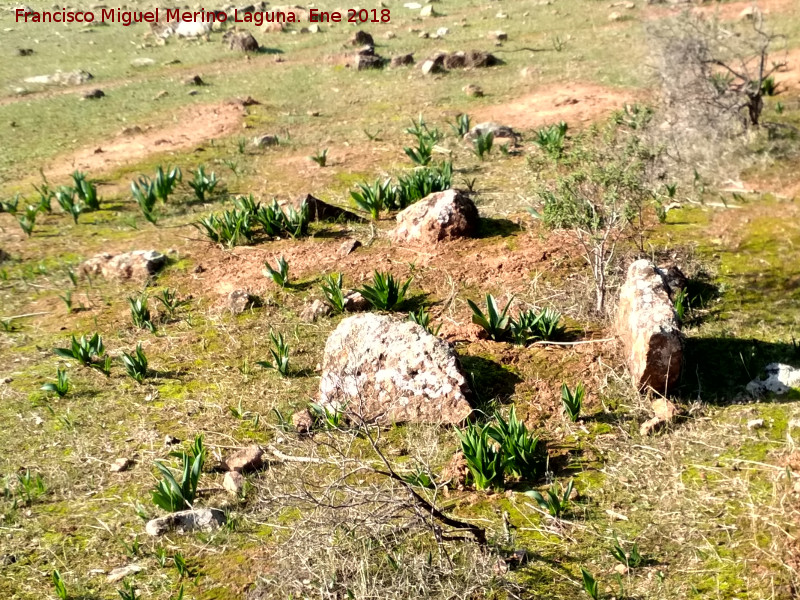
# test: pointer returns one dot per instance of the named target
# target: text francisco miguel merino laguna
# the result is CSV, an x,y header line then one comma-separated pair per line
x,y
128,17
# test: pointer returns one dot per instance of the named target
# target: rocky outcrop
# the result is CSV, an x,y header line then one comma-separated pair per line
x,y
362,38
62,78
138,264
402,60
441,216
649,329
187,521
778,379
391,371
367,59
245,460
242,41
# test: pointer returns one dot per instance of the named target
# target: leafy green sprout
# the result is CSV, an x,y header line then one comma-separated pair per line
x,y
202,184
135,364
232,227
59,585
166,181
170,301
483,455
60,386
422,154
30,486
482,144
572,400
85,190
321,157
128,591
423,318
333,291
280,355
632,559
144,193
495,322
140,312
555,504
522,453
462,125
172,495
374,198
327,417
65,196
551,139
27,220
532,325
590,585
84,350
10,206
385,293
280,274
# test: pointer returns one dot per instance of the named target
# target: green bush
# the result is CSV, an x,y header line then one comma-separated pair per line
x,y
385,293
483,455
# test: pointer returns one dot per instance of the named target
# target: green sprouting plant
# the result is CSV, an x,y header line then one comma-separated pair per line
x,y
295,221
140,312
60,386
144,193
482,144
59,585
180,564
171,495
232,228
630,559
86,191
66,297
681,303
84,350
247,204
128,591
65,196
496,323
422,154
332,289
462,125
419,478
572,401
280,274
10,206
423,318
135,364
27,220
420,130
280,355
551,139
769,87
522,453
483,455
590,585
321,157
241,145
559,43
165,182
46,194
779,108
553,503
421,182
170,301
30,486
203,184
326,417
385,293
531,325
373,198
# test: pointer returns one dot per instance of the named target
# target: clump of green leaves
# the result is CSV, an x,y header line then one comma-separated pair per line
x,y
630,559
483,455
140,312
532,325
522,452
280,355
59,586
374,198
572,401
553,503
482,144
551,139
85,190
10,206
135,364
27,220
60,386
423,318
420,183
202,184
333,292
232,228
681,303
462,125
590,585
65,196
422,154
172,495
46,195
30,486
280,274
326,417
166,181
321,157
277,222
87,351
170,301
495,322
385,293
144,193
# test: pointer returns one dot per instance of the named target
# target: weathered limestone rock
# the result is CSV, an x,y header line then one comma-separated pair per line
x,y
138,264
186,521
391,371
649,329
441,216
233,482
241,40
246,459
780,379
315,310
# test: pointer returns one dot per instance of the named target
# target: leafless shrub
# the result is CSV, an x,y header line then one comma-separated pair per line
x,y
713,77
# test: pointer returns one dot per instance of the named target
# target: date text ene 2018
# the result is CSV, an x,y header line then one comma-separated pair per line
x,y
353,16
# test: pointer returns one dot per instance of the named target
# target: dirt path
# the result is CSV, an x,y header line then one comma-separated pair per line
x,y
192,126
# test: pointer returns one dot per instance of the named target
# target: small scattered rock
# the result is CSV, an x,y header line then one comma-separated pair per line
x,y
239,301
778,379
753,424
121,573
171,440
187,521
367,59
138,264
362,38
441,216
390,35
61,78
500,36
121,464
194,80
319,210
142,62
434,65
161,94
24,51
442,31
263,141
94,95
245,460
303,421
348,247
243,41
473,91
355,302
427,11
402,60
315,310
233,482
